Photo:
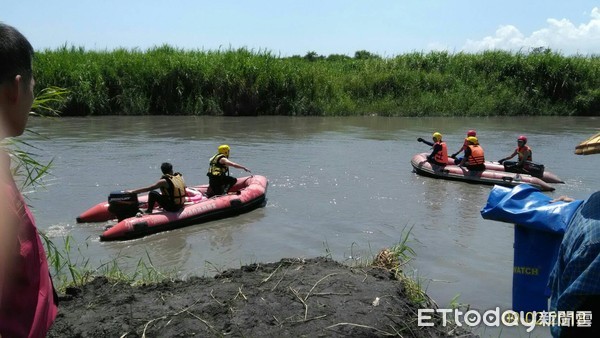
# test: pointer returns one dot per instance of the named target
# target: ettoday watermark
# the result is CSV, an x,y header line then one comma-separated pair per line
x,y
495,318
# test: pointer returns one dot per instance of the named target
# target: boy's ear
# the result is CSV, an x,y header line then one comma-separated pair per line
x,y
9,90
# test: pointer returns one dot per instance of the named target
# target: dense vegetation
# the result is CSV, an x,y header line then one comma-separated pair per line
x,y
169,81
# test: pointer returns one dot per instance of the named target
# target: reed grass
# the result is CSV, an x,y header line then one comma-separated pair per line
x,y
25,166
70,266
168,81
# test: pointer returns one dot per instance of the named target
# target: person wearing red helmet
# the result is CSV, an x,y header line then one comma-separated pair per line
x,y
524,152
465,145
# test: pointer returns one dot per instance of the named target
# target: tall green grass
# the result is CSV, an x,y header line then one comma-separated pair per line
x,y
71,266
169,81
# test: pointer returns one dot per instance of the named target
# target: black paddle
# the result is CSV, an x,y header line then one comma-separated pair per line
x,y
512,167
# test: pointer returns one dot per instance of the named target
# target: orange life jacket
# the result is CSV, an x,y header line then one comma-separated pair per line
x,y
442,155
477,156
521,152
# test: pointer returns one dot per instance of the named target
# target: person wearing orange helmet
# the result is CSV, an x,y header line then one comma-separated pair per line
x,y
465,145
524,152
219,180
439,154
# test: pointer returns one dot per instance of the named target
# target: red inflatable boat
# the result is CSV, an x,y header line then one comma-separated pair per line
x,y
545,176
247,194
490,177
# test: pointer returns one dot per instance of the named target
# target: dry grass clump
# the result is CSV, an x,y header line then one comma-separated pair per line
x,y
386,259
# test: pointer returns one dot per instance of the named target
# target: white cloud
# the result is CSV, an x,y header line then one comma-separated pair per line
x,y
560,35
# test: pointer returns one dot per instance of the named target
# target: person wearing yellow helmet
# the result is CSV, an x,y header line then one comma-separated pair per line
x,y
474,158
439,154
465,145
219,180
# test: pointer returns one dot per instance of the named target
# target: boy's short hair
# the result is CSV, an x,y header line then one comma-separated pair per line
x,y
166,168
16,54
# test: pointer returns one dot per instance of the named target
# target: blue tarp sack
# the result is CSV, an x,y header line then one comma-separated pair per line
x,y
539,228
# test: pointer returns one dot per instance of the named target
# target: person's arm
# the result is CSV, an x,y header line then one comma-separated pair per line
x,y
508,157
457,152
436,149
9,237
426,142
463,148
158,184
464,159
563,198
227,162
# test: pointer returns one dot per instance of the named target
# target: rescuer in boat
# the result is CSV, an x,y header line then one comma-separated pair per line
x,y
474,158
465,145
458,160
172,190
219,180
525,155
439,154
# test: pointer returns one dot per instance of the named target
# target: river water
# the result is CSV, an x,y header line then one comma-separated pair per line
x,y
337,186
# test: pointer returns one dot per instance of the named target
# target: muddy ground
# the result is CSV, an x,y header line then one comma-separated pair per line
x,y
292,297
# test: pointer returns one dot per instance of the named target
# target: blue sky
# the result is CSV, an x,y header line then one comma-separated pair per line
x,y
286,27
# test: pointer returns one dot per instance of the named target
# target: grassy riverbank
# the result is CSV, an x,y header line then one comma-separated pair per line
x,y
295,296
169,81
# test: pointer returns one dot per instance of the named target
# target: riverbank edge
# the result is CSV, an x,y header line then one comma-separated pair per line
x,y
300,297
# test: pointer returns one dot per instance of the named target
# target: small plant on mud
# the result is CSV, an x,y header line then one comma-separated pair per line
x,y
455,304
394,259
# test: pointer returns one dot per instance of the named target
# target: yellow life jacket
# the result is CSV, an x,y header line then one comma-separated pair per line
x,y
176,189
216,168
